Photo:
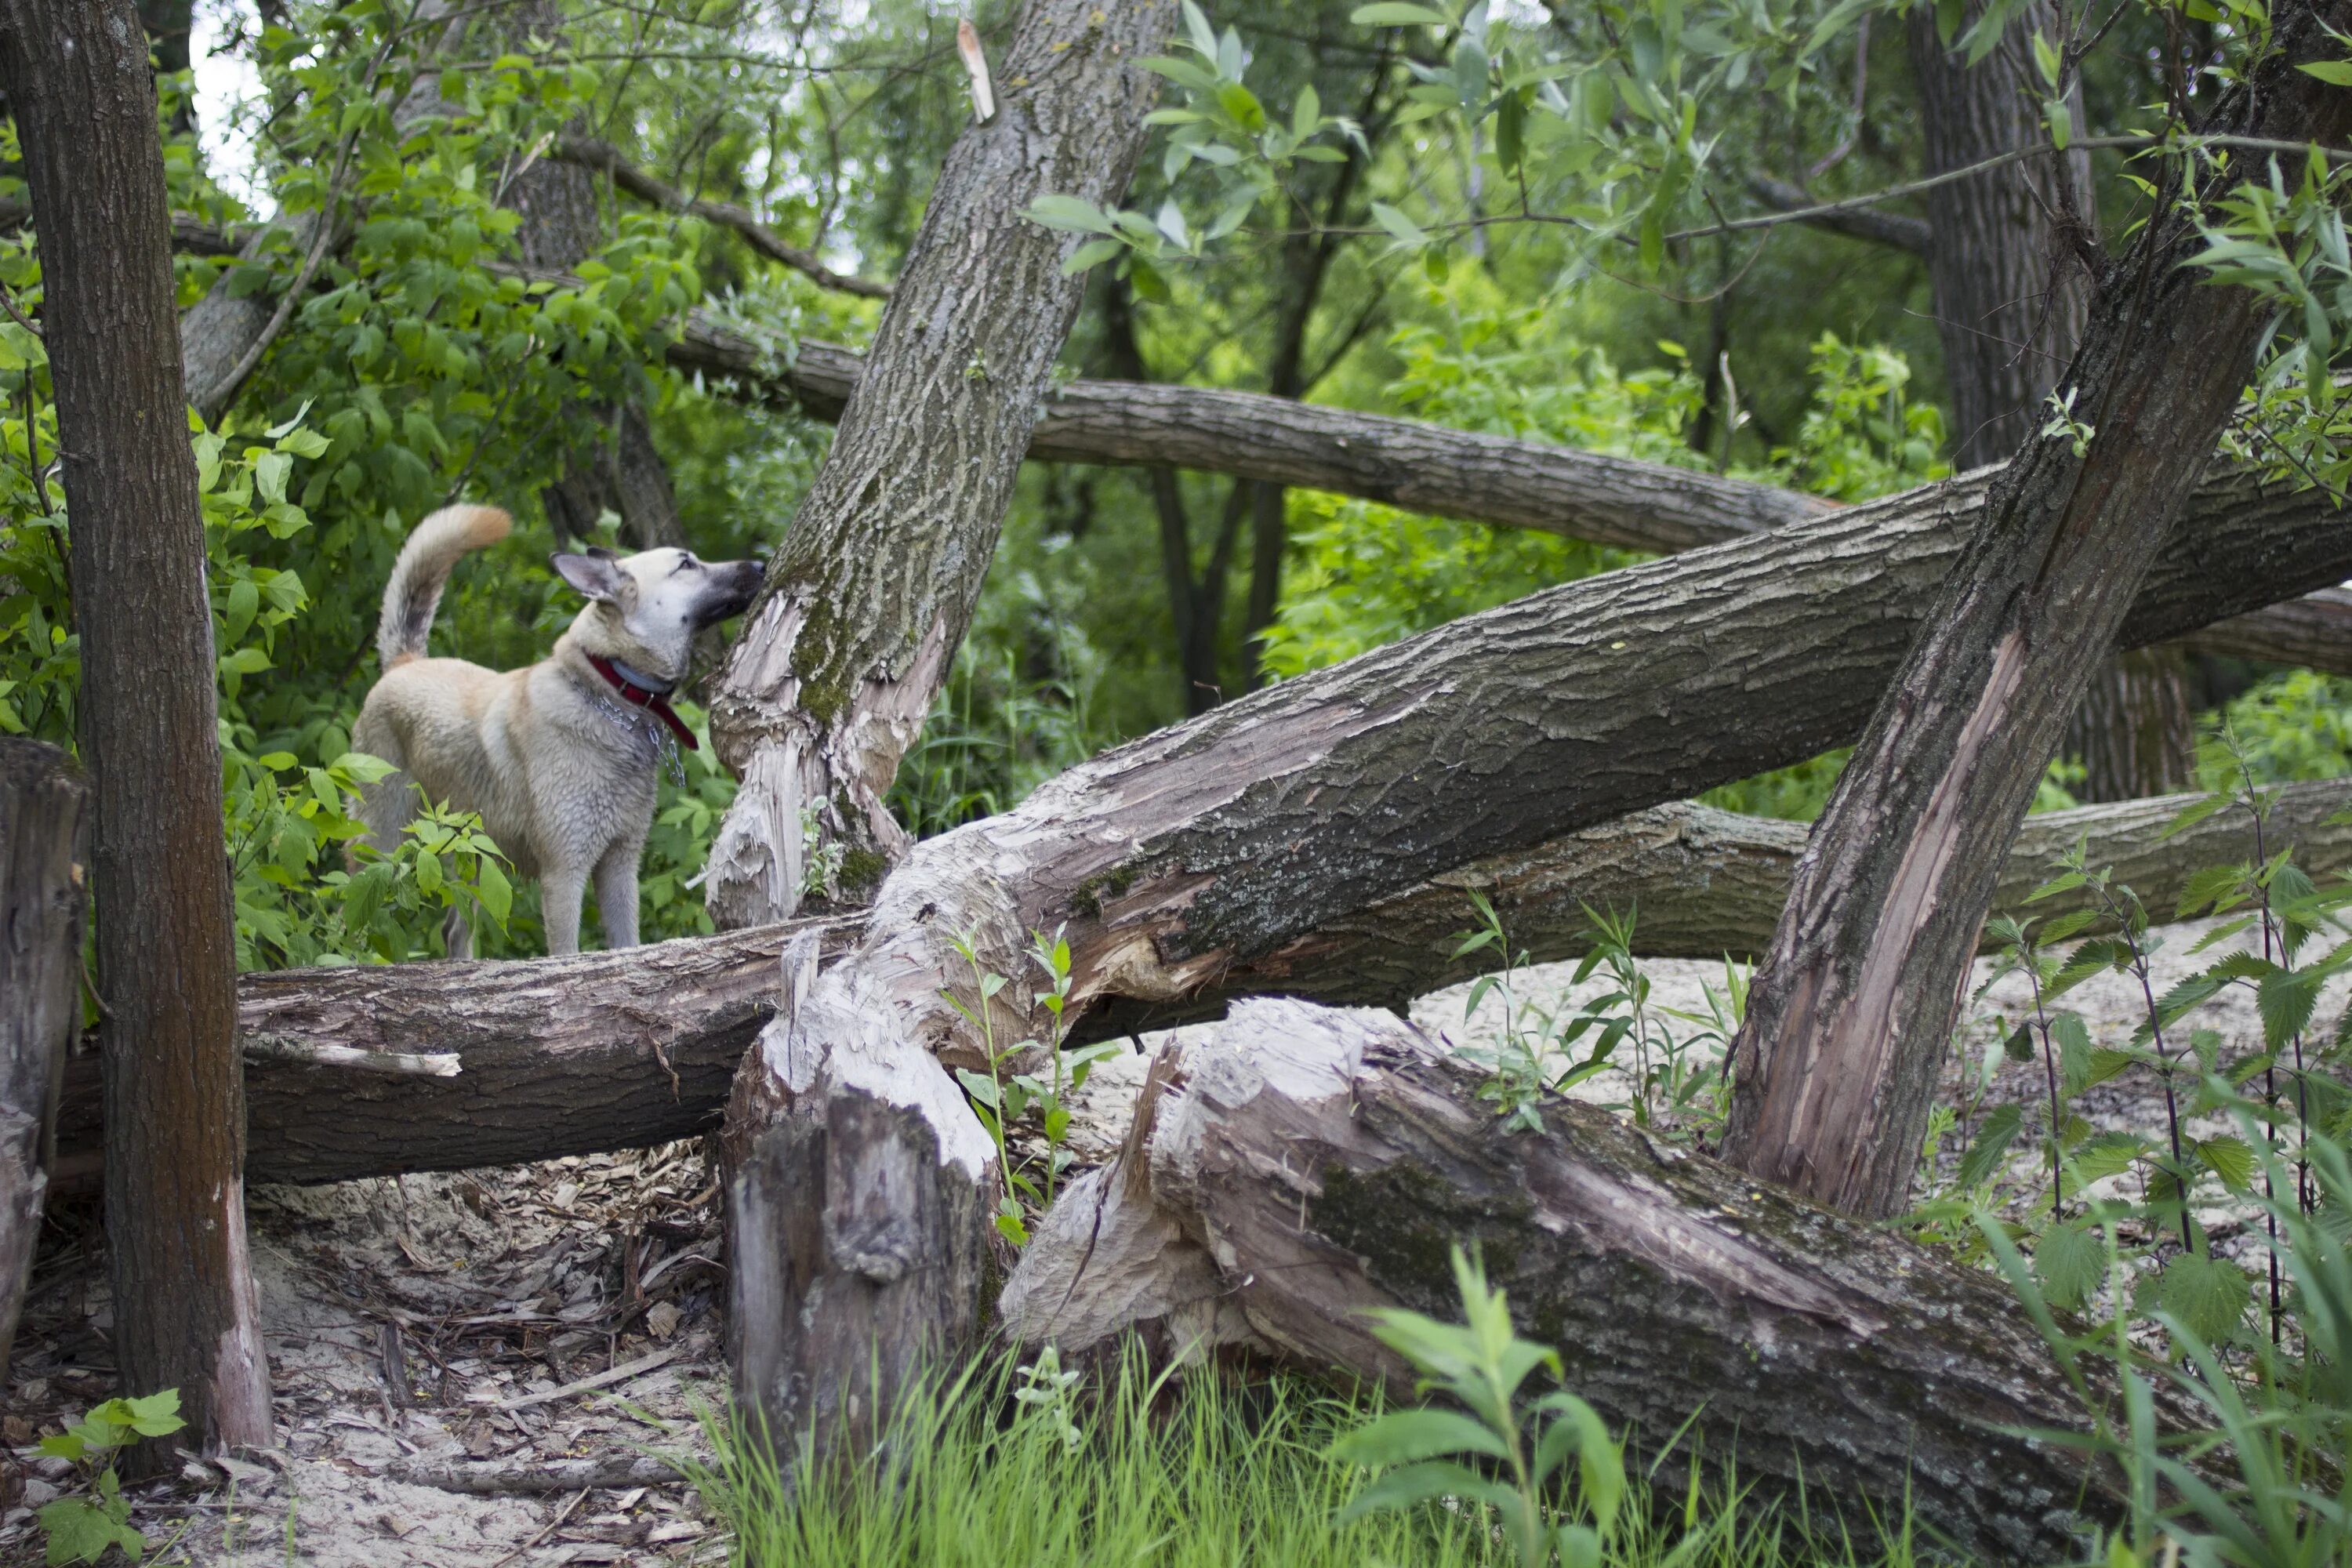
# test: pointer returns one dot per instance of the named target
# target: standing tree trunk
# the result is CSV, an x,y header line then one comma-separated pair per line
x,y
870,595
1854,1002
2011,297
185,1312
561,226
42,844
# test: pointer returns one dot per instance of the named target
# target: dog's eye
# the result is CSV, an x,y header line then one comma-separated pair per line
x,y
685,563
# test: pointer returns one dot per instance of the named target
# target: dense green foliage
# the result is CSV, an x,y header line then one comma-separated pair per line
x,y
1307,196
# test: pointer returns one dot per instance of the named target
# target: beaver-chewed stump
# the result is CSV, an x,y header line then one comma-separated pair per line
x,y
1307,1165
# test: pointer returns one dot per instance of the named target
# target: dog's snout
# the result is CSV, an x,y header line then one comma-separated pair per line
x,y
733,586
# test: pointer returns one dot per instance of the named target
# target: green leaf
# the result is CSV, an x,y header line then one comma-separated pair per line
x,y
1070,213
2232,1159
80,1531
1093,253
2208,1295
1404,230
2070,1262
2338,73
1394,14
979,1086
1992,1140
1407,1436
2019,1046
2074,1040
2285,1000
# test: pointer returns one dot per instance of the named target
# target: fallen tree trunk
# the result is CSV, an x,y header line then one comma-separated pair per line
x,y
1423,468
1307,1165
566,1055
43,848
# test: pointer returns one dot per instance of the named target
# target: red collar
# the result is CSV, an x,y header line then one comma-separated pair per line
x,y
646,698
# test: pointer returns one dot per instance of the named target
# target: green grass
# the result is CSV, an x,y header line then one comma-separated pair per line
x,y
999,1471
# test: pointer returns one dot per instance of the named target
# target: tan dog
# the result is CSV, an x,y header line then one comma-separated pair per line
x,y
559,757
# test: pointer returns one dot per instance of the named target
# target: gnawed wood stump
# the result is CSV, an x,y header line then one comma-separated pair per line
x,y
1308,1163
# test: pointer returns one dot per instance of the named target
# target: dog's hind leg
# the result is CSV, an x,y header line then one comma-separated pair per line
x,y
560,889
616,892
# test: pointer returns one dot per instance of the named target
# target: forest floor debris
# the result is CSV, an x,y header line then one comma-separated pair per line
x,y
537,1335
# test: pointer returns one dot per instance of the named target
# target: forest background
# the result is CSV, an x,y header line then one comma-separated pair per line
x,y
492,321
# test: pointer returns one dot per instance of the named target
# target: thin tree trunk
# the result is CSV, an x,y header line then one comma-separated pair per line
x,y
185,1313
1306,1166
43,844
1194,607
634,1048
561,225
2012,294
1854,1004
2134,732
866,602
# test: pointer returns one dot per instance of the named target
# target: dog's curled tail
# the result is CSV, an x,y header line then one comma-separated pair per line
x,y
422,569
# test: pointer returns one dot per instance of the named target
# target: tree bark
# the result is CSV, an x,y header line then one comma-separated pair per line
x,y
2133,732
1425,468
185,1312
838,662
566,1055
1853,1004
42,845
1307,1165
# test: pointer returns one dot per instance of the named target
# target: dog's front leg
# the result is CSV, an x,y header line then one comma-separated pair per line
x,y
560,892
616,892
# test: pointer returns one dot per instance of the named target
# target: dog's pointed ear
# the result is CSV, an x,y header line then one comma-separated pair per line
x,y
594,575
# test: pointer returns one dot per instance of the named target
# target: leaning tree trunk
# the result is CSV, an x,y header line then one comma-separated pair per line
x,y
42,846
838,662
377,1071
185,1312
858,1181
1853,1004
1308,1166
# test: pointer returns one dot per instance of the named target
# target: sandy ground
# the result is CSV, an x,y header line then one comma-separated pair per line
x,y
406,1319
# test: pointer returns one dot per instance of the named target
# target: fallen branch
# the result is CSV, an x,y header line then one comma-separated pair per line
x,y
494,1479
606,160
1421,468
651,1362
1307,1165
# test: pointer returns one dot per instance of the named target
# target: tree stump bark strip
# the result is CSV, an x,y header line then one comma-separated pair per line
x,y
43,901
